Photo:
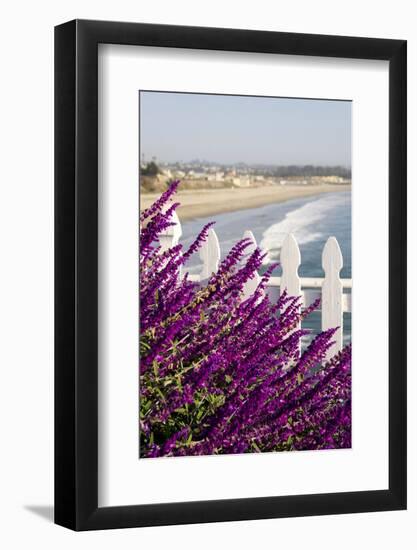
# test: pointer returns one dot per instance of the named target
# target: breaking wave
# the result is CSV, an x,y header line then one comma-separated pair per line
x,y
304,222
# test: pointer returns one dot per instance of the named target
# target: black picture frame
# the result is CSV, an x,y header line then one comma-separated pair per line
x,y
76,272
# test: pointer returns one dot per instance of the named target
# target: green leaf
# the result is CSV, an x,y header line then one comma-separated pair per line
x,y
255,446
161,395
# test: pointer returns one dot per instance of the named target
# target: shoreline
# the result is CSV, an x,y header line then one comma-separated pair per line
x,y
209,202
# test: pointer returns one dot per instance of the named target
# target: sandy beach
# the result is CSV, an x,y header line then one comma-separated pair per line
x,y
208,202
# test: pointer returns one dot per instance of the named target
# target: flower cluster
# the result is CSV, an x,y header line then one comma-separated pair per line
x,y
223,374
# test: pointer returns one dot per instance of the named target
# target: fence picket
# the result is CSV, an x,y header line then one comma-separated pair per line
x,y
332,292
250,285
171,235
210,255
290,258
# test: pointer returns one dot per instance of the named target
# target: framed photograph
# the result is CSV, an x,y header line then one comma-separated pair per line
x,y
230,284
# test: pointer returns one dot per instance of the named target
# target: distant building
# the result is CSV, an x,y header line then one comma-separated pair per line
x,y
196,175
329,179
243,181
218,176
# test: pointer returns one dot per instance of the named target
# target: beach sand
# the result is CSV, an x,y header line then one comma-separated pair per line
x,y
208,202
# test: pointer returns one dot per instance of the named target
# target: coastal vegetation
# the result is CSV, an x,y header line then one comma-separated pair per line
x,y
221,374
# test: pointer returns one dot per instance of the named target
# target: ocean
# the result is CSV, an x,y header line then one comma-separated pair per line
x,y
312,220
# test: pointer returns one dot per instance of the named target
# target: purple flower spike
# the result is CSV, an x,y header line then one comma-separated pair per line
x,y
219,374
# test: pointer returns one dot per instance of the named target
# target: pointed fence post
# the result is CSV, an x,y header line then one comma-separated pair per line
x,y
251,284
332,293
290,259
210,255
171,235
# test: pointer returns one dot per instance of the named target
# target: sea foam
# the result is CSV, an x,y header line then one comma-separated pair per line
x,y
301,222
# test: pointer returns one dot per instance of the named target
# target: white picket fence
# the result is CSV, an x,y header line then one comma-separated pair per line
x,y
335,293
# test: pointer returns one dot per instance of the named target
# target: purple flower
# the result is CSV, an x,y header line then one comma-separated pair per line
x,y
222,374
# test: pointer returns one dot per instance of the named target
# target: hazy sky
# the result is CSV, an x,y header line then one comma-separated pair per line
x,y
230,129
